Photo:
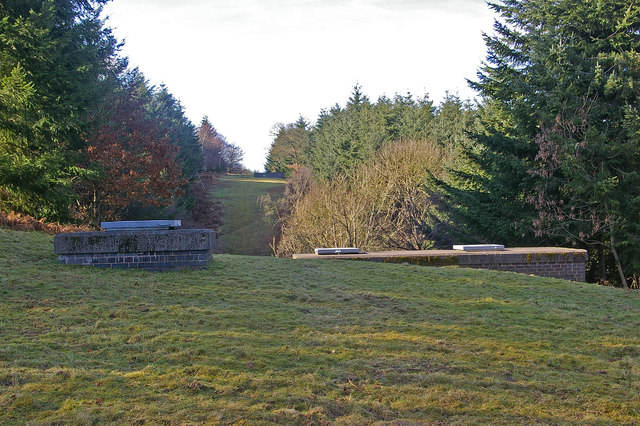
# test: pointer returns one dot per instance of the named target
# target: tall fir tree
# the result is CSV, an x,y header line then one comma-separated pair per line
x,y
290,147
345,137
178,130
57,62
560,76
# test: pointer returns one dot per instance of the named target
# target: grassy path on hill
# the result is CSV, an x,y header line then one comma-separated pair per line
x,y
244,229
256,340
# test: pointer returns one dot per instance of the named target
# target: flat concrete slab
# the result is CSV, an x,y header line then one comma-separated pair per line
x,y
555,262
538,254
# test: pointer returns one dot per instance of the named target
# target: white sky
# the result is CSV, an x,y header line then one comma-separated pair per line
x,y
249,64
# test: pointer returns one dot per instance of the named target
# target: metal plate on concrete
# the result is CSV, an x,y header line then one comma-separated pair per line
x,y
338,250
140,225
478,247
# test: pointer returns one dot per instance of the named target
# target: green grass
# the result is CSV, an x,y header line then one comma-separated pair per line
x,y
260,339
244,229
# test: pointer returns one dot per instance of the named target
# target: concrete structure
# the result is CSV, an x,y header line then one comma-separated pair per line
x,y
156,250
556,262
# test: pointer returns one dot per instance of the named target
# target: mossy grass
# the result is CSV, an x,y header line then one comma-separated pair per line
x,y
245,230
261,340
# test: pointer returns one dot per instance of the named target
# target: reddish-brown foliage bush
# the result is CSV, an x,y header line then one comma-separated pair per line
x,y
135,163
19,222
206,213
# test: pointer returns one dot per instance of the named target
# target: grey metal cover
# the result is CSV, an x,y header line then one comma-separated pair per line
x,y
478,247
140,225
338,250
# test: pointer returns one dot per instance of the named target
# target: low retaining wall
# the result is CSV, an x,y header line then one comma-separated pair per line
x,y
555,262
157,250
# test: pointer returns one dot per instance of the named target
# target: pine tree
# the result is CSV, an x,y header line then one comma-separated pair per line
x,y
178,130
346,137
560,93
61,62
290,148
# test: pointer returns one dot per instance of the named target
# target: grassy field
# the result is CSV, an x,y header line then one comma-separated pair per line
x,y
260,339
244,229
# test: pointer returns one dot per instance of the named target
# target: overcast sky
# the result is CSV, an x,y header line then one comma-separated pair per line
x,y
249,64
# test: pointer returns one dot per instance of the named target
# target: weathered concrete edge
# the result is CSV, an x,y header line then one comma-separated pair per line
x,y
554,262
134,241
457,258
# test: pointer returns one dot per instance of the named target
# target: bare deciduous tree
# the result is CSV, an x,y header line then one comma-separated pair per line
x,y
381,205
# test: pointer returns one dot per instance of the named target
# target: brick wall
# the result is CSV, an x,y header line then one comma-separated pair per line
x,y
566,271
161,261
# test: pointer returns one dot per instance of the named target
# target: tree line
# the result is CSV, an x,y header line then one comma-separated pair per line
x,y
83,137
357,177
549,154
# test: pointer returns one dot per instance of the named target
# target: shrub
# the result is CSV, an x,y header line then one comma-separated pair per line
x,y
382,204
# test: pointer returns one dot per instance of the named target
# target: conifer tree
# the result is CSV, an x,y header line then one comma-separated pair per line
x,y
290,147
178,130
557,138
57,62
345,137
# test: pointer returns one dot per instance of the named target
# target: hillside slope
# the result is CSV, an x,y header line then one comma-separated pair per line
x,y
245,229
262,339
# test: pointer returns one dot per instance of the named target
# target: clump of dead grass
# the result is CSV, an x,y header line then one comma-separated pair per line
x,y
22,222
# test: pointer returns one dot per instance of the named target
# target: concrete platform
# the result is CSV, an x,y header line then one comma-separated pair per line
x,y
154,250
556,262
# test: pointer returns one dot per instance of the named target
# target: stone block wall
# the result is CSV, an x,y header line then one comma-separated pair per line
x,y
158,250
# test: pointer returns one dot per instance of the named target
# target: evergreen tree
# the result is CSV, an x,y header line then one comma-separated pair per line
x,y
57,61
560,93
408,118
344,138
358,98
290,148
178,130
